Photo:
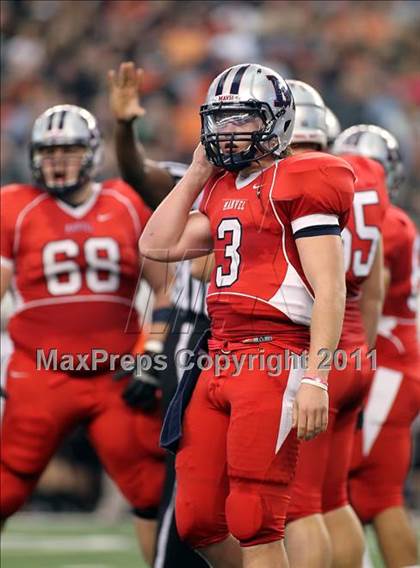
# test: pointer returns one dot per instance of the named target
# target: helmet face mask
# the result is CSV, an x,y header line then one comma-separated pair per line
x,y
249,124
395,173
65,150
235,135
63,168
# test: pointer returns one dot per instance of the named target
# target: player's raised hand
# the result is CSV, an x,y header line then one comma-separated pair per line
x,y
310,411
124,91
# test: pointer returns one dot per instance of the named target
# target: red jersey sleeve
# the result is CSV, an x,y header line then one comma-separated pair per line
x,y
317,192
7,227
13,198
396,237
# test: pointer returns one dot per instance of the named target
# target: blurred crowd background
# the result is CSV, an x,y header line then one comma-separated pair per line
x,y
362,56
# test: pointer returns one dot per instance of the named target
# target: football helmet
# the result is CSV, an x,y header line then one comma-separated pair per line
x,y
375,143
333,126
310,121
246,104
65,125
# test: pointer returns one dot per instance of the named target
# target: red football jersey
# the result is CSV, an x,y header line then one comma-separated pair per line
x,y
76,269
361,238
258,286
397,328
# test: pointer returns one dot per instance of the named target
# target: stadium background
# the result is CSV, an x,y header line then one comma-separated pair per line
x,y
362,56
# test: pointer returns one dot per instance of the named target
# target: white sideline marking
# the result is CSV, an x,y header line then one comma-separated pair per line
x,y
70,544
85,565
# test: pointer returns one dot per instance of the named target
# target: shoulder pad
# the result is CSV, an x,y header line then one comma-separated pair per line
x,y
22,187
313,173
309,161
20,193
397,217
399,231
119,185
368,172
115,183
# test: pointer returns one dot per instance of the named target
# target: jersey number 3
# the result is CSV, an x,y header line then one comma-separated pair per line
x,y
64,275
231,252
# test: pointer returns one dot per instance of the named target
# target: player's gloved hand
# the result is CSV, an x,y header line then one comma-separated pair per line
x,y
3,393
124,87
142,391
310,410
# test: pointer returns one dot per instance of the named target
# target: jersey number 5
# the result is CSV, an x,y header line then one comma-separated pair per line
x,y
364,232
231,252
64,276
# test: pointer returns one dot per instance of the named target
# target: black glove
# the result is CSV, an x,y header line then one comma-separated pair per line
x,y
141,391
3,393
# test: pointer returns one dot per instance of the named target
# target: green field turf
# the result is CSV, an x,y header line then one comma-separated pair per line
x,y
78,541
66,542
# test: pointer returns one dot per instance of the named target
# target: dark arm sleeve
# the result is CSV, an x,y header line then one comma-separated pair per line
x,y
148,179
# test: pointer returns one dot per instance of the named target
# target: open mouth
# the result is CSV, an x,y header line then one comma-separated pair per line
x,y
230,148
59,178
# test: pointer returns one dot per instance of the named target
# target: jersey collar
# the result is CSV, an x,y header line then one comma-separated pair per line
x,y
241,182
83,209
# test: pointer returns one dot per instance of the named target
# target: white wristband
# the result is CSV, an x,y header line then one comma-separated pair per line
x,y
154,346
314,383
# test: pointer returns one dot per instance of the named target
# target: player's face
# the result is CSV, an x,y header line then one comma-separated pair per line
x,y
61,164
235,122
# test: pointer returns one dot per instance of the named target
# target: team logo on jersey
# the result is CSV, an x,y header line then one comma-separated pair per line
x,y
78,227
236,204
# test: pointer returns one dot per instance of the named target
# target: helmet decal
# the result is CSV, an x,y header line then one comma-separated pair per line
x,y
279,100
